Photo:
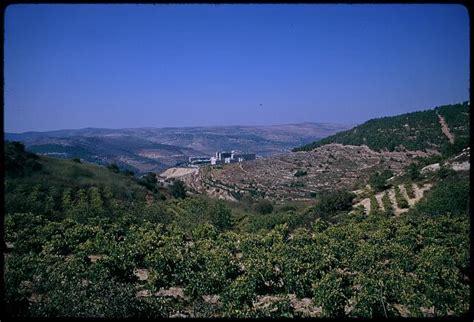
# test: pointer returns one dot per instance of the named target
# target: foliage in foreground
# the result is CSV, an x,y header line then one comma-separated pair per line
x,y
369,263
76,250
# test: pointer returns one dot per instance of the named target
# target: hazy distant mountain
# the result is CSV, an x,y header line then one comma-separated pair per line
x,y
154,149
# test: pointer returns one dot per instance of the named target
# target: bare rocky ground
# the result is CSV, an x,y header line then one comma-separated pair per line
x,y
172,173
461,162
329,167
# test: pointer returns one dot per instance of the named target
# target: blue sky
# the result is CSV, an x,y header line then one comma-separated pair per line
x,y
117,66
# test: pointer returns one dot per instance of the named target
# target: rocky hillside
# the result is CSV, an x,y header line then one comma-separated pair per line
x,y
297,175
344,159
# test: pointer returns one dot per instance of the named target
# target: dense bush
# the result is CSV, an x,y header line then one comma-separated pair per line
x,y
149,181
177,189
300,173
264,206
113,167
374,206
18,161
333,202
413,171
450,196
378,180
411,260
401,200
387,204
409,190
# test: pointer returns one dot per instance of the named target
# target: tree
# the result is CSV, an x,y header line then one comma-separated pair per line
x,y
128,172
300,173
264,206
221,216
18,161
96,203
149,181
331,203
113,167
449,196
413,171
378,181
178,189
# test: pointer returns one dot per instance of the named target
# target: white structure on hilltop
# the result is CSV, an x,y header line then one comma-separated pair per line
x,y
222,157
195,161
232,157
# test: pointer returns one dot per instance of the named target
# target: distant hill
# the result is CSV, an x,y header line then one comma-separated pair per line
x,y
155,149
412,131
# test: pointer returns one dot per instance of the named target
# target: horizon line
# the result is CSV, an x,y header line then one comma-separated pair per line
x,y
179,127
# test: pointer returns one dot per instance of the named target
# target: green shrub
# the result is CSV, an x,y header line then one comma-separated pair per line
x,y
374,206
447,197
149,181
387,204
378,181
300,173
332,202
264,206
177,189
113,167
409,190
413,171
19,162
401,201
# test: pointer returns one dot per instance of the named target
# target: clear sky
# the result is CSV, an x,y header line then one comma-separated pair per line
x,y
117,66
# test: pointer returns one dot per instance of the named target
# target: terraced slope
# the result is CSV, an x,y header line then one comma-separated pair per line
x,y
419,192
298,175
404,196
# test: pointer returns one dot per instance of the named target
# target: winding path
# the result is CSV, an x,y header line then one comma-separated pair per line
x,y
445,129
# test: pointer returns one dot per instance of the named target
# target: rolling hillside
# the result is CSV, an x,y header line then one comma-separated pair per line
x,y
46,173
